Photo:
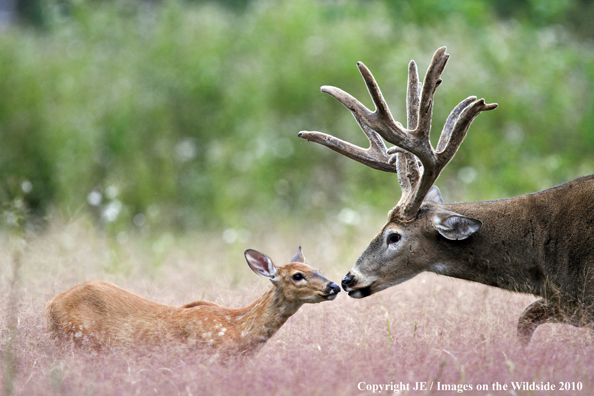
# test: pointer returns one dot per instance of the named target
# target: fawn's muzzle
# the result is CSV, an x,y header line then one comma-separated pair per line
x,y
331,291
333,288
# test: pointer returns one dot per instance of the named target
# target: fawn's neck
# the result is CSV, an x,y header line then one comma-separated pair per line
x,y
259,321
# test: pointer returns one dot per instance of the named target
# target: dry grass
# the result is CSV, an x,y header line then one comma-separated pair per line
x,y
431,328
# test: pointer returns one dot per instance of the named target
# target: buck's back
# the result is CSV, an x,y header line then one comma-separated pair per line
x,y
550,213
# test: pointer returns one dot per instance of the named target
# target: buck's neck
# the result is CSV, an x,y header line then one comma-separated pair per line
x,y
259,321
526,243
507,252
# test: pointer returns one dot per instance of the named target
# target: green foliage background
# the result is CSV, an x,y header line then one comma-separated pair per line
x,y
184,115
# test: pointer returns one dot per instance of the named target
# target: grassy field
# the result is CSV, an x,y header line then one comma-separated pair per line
x,y
165,133
431,329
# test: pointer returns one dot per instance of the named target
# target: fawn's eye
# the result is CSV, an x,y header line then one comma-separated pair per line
x,y
393,238
297,277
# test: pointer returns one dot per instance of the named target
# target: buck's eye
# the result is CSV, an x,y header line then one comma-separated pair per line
x,y
393,238
297,277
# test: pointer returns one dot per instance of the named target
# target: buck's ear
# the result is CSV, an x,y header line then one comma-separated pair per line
x,y
298,257
260,263
454,226
433,196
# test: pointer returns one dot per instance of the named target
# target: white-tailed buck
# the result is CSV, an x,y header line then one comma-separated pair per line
x,y
541,243
101,313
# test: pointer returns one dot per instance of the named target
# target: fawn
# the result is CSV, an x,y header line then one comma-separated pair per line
x,y
102,313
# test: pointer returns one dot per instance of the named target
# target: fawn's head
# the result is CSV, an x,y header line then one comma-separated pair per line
x,y
297,281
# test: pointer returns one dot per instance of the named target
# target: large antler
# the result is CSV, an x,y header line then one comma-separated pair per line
x,y
412,144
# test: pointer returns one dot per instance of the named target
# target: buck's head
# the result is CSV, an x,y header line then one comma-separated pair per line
x,y
405,248
296,281
407,244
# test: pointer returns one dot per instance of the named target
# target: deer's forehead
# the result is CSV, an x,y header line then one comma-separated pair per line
x,y
298,267
396,221
400,226
395,218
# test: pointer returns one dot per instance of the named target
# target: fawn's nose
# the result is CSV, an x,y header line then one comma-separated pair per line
x,y
348,281
334,288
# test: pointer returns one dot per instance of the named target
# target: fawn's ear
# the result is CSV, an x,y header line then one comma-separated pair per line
x,y
260,263
298,257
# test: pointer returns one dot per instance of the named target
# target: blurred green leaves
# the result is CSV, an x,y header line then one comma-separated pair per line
x,y
182,114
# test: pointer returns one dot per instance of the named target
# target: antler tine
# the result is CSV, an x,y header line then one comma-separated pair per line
x,y
430,83
412,97
371,157
407,163
448,127
454,133
381,107
420,110
408,174
381,120
402,160
349,101
375,156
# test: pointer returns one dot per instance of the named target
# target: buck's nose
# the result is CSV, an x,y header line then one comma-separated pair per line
x,y
334,288
348,281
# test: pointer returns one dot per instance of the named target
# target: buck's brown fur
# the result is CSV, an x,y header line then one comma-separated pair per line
x,y
102,313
